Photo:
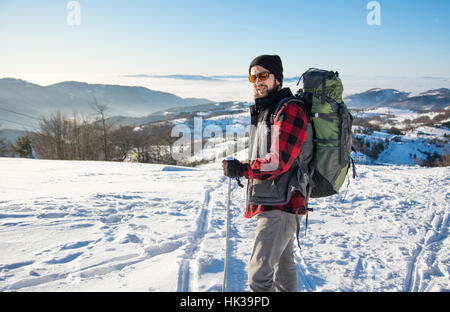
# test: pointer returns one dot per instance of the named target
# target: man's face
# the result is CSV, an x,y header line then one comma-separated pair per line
x,y
263,88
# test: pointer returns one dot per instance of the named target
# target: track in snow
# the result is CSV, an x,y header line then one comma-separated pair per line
x,y
184,273
423,257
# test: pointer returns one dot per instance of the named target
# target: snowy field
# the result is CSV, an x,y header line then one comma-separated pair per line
x,y
104,226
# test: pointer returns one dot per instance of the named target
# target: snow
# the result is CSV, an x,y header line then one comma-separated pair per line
x,y
403,113
397,116
426,131
401,150
110,226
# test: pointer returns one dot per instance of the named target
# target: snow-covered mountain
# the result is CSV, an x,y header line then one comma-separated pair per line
x,y
73,96
429,100
374,98
222,108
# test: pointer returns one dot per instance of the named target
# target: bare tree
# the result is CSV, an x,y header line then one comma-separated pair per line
x,y
75,140
50,141
101,110
123,139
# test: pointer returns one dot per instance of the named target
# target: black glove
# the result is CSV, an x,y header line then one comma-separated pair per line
x,y
233,168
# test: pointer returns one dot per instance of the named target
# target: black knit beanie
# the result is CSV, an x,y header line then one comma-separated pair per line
x,y
271,63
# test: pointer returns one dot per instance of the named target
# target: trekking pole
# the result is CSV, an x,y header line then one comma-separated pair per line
x,y
227,237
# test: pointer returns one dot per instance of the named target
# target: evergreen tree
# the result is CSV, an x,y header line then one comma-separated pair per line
x,y
22,147
4,150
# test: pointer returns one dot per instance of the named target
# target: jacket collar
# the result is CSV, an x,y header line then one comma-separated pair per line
x,y
272,99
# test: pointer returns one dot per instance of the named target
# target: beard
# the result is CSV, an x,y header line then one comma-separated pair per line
x,y
270,89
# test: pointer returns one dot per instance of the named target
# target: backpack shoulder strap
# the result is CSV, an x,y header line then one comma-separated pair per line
x,y
280,104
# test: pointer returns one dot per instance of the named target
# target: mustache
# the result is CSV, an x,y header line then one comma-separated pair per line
x,y
269,90
258,95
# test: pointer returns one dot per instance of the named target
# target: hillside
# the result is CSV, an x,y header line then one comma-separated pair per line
x,y
176,113
373,98
386,132
20,100
396,136
381,136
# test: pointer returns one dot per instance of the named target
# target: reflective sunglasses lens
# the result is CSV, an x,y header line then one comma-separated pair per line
x,y
263,76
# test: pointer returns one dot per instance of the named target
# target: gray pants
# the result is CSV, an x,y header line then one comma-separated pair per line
x,y
272,266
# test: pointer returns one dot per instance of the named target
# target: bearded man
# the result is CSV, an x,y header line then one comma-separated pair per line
x,y
272,194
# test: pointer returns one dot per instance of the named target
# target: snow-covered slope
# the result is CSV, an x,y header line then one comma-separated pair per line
x,y
99,226
376,97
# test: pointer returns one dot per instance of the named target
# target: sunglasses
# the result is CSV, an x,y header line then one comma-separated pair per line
x,y
261,76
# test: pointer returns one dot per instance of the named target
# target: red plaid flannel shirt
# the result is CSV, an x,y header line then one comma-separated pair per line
x,y
291,122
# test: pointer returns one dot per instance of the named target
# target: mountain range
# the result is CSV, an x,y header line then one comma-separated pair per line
x,y
21,101
201,77
373,98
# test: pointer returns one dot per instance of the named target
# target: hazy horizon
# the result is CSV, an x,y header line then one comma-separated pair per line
x,y
403,38
231,89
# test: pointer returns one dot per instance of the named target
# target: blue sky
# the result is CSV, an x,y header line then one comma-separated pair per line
x,y
209,37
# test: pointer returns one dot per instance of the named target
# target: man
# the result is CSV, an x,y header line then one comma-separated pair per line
x,y
272,192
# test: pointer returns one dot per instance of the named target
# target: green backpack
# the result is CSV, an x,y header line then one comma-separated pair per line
x,y
324,160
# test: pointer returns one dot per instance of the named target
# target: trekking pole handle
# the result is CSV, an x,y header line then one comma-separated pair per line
x,y
229,158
